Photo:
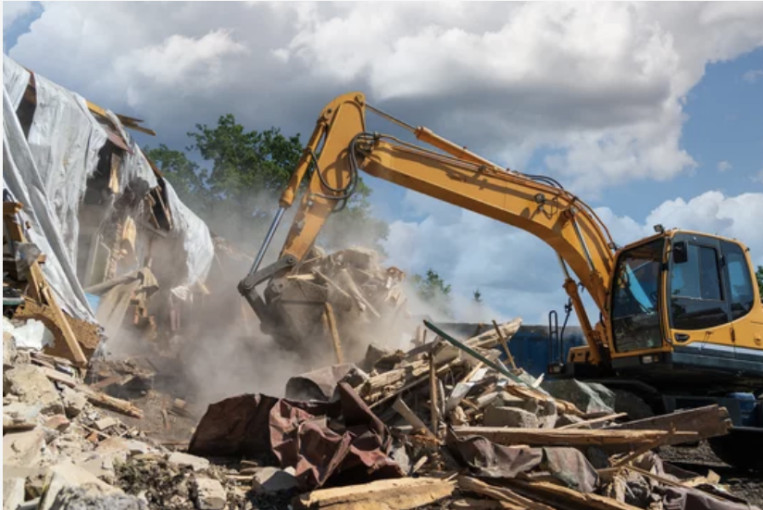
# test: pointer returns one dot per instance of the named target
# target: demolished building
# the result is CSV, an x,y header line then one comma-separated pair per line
x,y
93,230
108,229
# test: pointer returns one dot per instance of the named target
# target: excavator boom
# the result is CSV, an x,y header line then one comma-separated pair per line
x,y
447,172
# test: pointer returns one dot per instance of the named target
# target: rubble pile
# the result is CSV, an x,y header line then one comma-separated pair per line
x,y
442,425
447,424
65,444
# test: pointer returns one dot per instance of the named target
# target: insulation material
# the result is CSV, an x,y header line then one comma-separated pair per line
x,y
196,239
15,79
64,140
22,179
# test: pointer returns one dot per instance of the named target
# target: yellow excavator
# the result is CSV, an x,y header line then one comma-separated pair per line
x,y
680,315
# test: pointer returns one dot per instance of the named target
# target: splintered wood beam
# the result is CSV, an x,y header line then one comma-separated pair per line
x,y
563,497
569,437
707,421
330,320
394,494
502,494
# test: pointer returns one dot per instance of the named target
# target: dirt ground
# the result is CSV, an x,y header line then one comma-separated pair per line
x,y
745,484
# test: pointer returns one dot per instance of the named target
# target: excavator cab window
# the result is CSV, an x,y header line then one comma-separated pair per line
x,y
635,298
697,296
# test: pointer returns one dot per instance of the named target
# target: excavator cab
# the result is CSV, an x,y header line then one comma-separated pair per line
x,y
686,302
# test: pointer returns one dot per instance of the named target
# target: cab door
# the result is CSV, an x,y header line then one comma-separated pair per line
x,y
747,325
700,316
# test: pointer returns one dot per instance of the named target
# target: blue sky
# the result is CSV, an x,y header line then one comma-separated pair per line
x,y
651,112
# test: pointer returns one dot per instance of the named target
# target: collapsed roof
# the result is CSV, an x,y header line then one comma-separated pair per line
x,y
92,202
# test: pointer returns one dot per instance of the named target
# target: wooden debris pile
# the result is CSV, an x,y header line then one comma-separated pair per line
x,y
464,430
336,300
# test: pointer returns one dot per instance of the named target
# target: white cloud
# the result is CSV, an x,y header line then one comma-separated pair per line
x,y
518,274
13,11
753,75
724,166
181,61
599,88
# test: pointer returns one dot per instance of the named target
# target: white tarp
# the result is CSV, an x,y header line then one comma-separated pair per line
x,y
15,79
22,180
48,171
64,140
197,241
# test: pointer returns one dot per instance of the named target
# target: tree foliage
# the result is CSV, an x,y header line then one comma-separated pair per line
x,y
759,275
432,289
239,176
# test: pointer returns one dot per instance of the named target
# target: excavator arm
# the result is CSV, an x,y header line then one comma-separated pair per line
x,y
340,147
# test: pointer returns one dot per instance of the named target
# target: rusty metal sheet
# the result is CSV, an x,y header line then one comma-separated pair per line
x,y
325,443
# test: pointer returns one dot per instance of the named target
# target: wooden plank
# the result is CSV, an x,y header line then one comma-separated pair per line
x,y
394,494
568,437
409,416
115,404
502,494
707,421
433,407
564,497
331,324
592,421
505,344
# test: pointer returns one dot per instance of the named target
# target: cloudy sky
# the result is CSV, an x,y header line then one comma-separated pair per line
x,y
653,113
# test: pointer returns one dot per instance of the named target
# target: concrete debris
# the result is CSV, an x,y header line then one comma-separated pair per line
x,y
185,459
210,494
271,479
588,397
30,384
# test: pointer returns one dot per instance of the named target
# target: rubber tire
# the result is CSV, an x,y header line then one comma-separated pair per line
x,y
740,448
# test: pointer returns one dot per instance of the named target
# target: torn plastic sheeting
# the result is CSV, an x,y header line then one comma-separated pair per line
x,y
64,139
15,80
300,437
195,237
493,460
33,335
22,180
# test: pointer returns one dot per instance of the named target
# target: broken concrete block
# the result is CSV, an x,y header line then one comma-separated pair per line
x,y
13,492
105,423
9,350
271,479
67,474
210,494
588,397
57,422
33,387
23,448
186,459
500,416
78,498
74,401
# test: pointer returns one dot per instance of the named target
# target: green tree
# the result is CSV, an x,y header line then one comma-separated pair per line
x,y
432,289
759,275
